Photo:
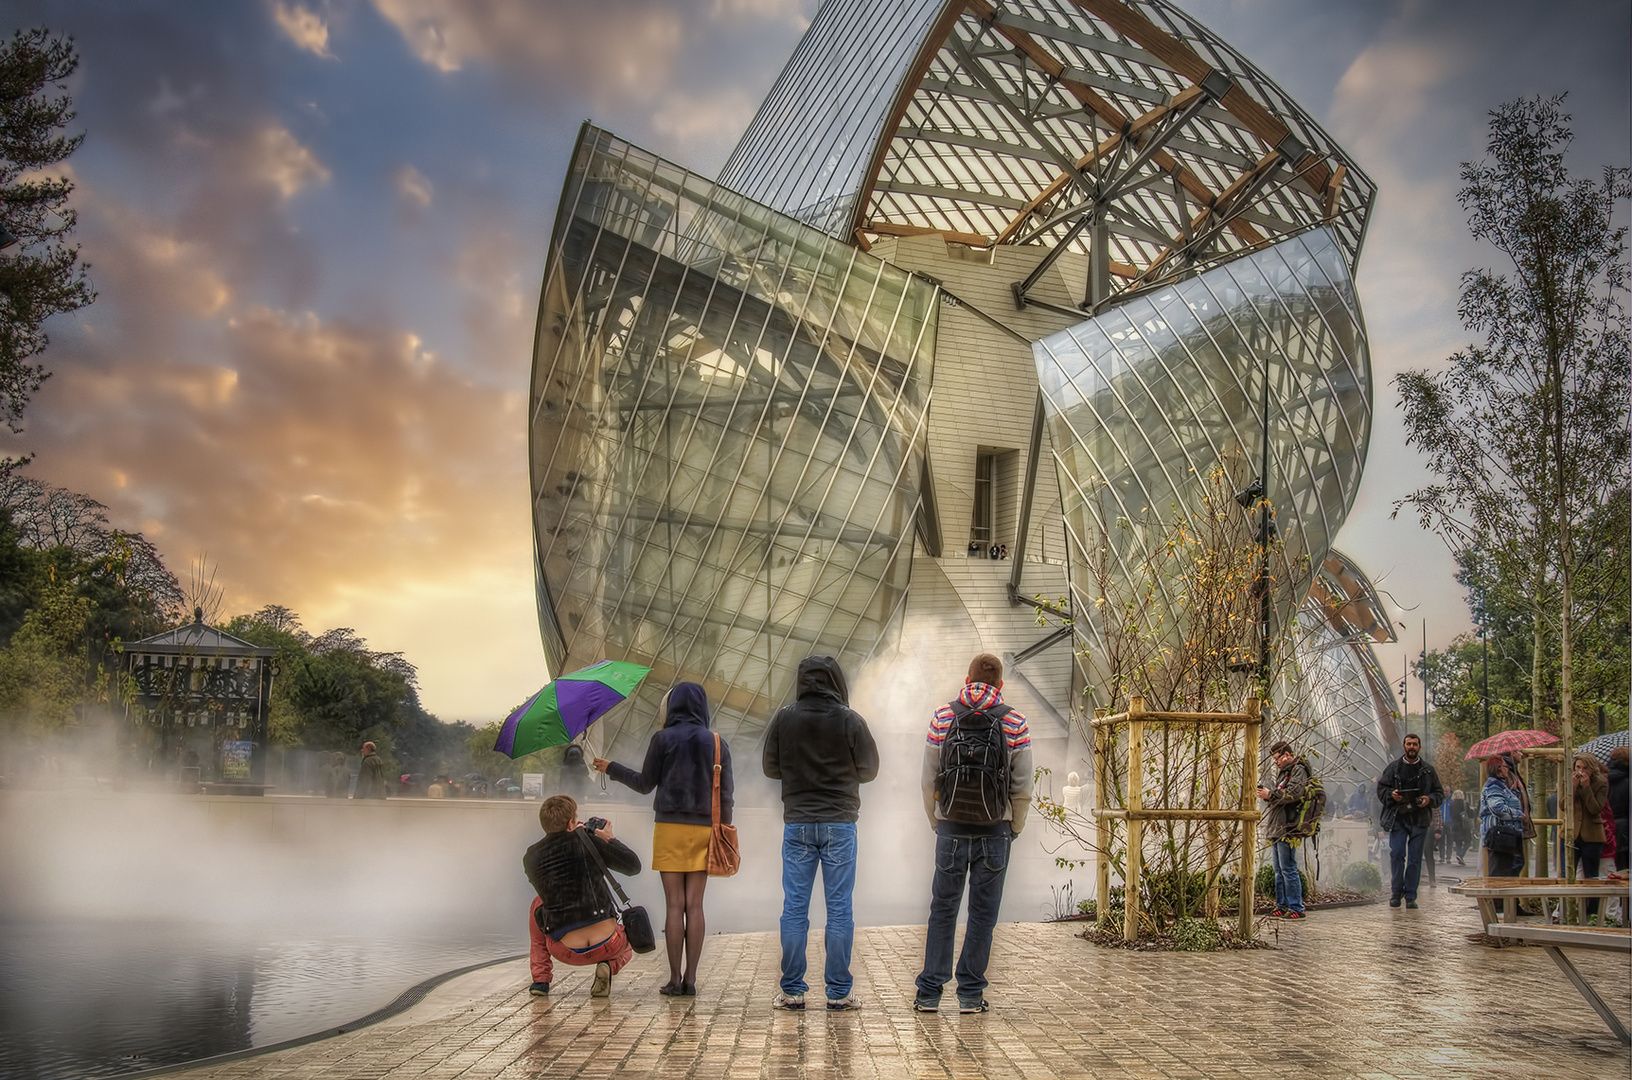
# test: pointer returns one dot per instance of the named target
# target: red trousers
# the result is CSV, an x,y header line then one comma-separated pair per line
x,y
614,950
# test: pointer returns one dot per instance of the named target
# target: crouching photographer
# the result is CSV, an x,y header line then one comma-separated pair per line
x,y
574,919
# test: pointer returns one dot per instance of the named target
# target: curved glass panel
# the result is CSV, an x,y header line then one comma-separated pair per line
x,y
806,149
1146,398
727,434
1344,700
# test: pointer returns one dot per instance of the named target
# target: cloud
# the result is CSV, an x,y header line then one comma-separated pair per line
x,y
584,42
303,27
309,457
686,119
279,159
413,188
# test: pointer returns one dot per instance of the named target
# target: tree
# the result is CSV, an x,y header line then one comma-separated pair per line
x,y
1527,431
42,275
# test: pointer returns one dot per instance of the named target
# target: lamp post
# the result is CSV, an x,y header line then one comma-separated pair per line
x,y
1484,641
1257,493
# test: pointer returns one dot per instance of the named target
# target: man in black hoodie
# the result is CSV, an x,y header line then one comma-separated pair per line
x,y
822,752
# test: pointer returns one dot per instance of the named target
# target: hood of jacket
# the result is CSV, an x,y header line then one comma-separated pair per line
x,y
687,703
821,676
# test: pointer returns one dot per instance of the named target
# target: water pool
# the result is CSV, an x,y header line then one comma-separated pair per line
x,y
93,998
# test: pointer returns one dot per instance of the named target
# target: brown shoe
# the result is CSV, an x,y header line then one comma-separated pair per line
x,y
602,986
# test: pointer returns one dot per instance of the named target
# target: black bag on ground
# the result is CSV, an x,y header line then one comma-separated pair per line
x,y
1504,839
972,784
637,925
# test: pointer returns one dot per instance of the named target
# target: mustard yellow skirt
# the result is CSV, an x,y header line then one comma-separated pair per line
x,y
680,848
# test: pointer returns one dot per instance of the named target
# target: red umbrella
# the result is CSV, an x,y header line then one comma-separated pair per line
x,y
1504,742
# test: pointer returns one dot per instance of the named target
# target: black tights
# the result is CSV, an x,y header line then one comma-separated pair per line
x,y
685,928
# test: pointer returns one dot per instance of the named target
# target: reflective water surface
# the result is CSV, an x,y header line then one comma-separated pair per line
x,y
97,998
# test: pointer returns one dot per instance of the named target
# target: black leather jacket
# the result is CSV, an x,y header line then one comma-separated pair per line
x,y
572,887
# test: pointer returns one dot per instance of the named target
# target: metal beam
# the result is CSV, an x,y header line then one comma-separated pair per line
x,y
1033,450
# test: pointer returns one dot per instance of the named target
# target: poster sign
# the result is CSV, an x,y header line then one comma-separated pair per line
x,y
532,785
235,756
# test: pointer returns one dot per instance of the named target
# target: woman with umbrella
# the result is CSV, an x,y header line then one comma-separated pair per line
x,y
1499,805
680,761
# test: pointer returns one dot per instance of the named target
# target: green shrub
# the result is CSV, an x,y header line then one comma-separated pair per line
x,y
1361,877
1197,935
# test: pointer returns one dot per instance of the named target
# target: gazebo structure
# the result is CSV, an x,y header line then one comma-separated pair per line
x,y
200,687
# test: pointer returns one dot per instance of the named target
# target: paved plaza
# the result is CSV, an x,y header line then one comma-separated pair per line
x,y
1358,992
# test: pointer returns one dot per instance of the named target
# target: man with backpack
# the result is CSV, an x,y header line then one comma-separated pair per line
x,y
977,785
1287,814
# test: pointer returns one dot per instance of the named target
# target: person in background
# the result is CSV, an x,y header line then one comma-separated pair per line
x,y
1591,786
1499,802
680,765
370,775
1617,780
1459,825
823,752
573,918
1409,790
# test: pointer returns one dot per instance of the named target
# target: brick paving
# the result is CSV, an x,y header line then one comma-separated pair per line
x,y
1360,992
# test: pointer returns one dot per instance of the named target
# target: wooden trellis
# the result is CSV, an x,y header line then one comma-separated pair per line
x,y
1135,813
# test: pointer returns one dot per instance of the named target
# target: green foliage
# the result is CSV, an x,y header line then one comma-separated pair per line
x,y
1197,935
42,677
1361,877
42,275
1526,431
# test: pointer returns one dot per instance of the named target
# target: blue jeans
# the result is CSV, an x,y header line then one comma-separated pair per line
x,y
1405,842
984,860
1288,886
832,845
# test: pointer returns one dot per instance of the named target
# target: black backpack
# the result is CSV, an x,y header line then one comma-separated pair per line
x,y
972,786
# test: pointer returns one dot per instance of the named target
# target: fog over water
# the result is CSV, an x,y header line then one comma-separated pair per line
x,y
140,928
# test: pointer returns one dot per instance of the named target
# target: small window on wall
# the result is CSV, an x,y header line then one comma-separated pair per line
x,y
980,526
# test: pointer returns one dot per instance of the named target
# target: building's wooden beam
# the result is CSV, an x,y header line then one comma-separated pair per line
x,y
1051,66
894,228
1133,25
1098,153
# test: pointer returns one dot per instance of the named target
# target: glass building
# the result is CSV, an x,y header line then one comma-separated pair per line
x,y
977,281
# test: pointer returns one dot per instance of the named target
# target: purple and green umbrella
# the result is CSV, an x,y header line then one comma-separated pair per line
x,y
562,710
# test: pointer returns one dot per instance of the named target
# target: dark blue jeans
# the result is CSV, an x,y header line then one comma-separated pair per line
x,y
983,861
1405,856
1288,885
805,846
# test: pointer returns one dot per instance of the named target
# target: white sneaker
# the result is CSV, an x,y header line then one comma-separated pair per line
x,y
847,1002
791,1002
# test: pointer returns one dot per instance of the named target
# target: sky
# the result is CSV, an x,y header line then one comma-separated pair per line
x,y
317,229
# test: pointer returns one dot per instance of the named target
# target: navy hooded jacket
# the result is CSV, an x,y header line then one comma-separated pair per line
x,y
820,748
680,763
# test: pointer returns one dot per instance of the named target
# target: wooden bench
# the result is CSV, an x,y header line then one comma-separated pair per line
x,y
1486,891
1555,939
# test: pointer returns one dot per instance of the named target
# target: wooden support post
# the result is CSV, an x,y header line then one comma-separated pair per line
x,y
1249,829
1215,792
1135,827
1104,744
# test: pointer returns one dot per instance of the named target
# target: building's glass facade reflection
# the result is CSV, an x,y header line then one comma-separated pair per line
x,y
1150,395
727,436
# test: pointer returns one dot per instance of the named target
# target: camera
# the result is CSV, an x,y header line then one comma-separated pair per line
x,y
596,824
